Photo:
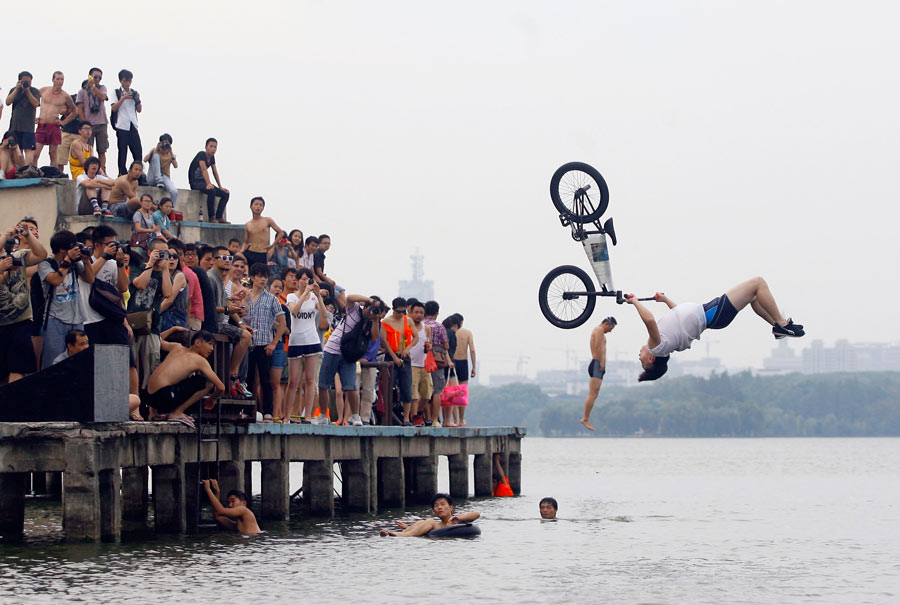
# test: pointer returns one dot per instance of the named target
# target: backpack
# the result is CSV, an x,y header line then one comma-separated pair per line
x,y
106,300
27,172
51,172
355,343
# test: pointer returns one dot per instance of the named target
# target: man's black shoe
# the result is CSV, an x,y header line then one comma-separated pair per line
x,y
790,329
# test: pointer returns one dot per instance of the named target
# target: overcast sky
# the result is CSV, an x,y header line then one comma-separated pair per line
x,y
737,138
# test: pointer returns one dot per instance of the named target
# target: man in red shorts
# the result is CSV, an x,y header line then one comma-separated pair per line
x,y
55,102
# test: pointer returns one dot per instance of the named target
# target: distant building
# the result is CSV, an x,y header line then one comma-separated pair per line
x,y
844,356
417,287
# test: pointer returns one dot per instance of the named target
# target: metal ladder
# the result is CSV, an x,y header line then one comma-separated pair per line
x,y
206,470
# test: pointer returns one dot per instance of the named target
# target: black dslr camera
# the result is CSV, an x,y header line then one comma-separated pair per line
x,y
8,247
85,251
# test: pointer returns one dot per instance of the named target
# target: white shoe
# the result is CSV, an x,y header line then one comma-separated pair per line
x,y
321,419
355,420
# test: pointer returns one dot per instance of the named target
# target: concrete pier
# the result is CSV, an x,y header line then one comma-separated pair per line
x,y
106,469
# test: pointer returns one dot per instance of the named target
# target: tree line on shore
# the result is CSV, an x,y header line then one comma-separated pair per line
x,y
865,404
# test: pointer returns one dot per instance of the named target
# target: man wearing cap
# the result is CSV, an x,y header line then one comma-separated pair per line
x,y
597,367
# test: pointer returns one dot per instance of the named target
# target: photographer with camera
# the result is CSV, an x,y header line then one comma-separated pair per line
x,y
91,104
149,288
108,261
59,275
125,109
161,160
16,350
25,100
10,156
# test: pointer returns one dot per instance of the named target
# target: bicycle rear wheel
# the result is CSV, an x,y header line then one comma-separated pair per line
x,y
579,192
559,310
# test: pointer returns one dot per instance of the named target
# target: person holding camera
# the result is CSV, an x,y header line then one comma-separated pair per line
x,y
125,109
161,160
59,279
91,104
16,350
10,156
149,288
25,100
108,261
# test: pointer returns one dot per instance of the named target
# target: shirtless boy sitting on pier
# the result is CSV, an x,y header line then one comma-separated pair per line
x,y
183,378
256,234
442,507
236,517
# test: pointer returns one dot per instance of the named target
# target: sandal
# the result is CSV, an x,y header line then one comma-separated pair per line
x,y
159,418
185,420
137,417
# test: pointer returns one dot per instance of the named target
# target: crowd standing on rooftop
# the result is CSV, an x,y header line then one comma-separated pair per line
x,y
297,337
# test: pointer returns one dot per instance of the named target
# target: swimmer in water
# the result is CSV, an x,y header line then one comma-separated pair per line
x,y
442,507
549,506
237,517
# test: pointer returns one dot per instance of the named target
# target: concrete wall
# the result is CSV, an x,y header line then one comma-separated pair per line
x,y
52,203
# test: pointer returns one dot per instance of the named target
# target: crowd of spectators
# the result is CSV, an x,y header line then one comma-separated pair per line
x,y
297,339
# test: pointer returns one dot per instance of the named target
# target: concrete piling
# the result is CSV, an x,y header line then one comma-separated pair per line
x,y
276,492
318,487
484,475
168,498
391,483
135,494
12,505
459,474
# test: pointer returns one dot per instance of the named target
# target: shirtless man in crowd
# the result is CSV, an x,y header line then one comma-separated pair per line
x,y
597,367
236,517
256,234
55,102
184,378
123,197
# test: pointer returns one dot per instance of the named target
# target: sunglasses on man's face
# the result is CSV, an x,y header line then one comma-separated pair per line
x,y
226,257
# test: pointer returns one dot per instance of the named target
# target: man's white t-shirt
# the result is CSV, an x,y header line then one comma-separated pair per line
x,y
79,186
303,324
679,327
109,273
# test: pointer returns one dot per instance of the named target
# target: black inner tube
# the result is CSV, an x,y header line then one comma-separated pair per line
x,y
459,530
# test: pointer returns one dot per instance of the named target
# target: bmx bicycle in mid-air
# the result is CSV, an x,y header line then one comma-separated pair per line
x,y
567,295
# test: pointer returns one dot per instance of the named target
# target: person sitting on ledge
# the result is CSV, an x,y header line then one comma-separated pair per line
x,y
184,378
442,507
236,517
548,508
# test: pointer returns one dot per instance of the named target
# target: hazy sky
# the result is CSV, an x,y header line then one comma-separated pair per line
x,y
737,138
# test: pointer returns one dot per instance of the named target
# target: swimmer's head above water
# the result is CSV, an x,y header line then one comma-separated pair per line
x,y
236,498
548,507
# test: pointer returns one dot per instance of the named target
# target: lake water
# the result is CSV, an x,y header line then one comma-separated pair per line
x,y
641,521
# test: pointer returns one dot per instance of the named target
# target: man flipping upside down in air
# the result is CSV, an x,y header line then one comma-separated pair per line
x,y
684,322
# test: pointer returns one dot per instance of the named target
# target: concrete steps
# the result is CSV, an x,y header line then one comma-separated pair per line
x,y
186,231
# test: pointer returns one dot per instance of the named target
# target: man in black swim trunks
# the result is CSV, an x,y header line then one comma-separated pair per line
x,y
183,378
684,323
597,367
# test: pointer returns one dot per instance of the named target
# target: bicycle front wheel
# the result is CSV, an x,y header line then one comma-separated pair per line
x,y
579,192
558,305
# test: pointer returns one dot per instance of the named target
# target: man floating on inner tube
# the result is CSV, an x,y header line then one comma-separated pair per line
x,y
442,507
685,322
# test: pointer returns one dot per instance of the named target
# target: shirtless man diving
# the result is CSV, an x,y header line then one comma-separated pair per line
x,y
236,516
256,234
55,102
184,378
597,367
